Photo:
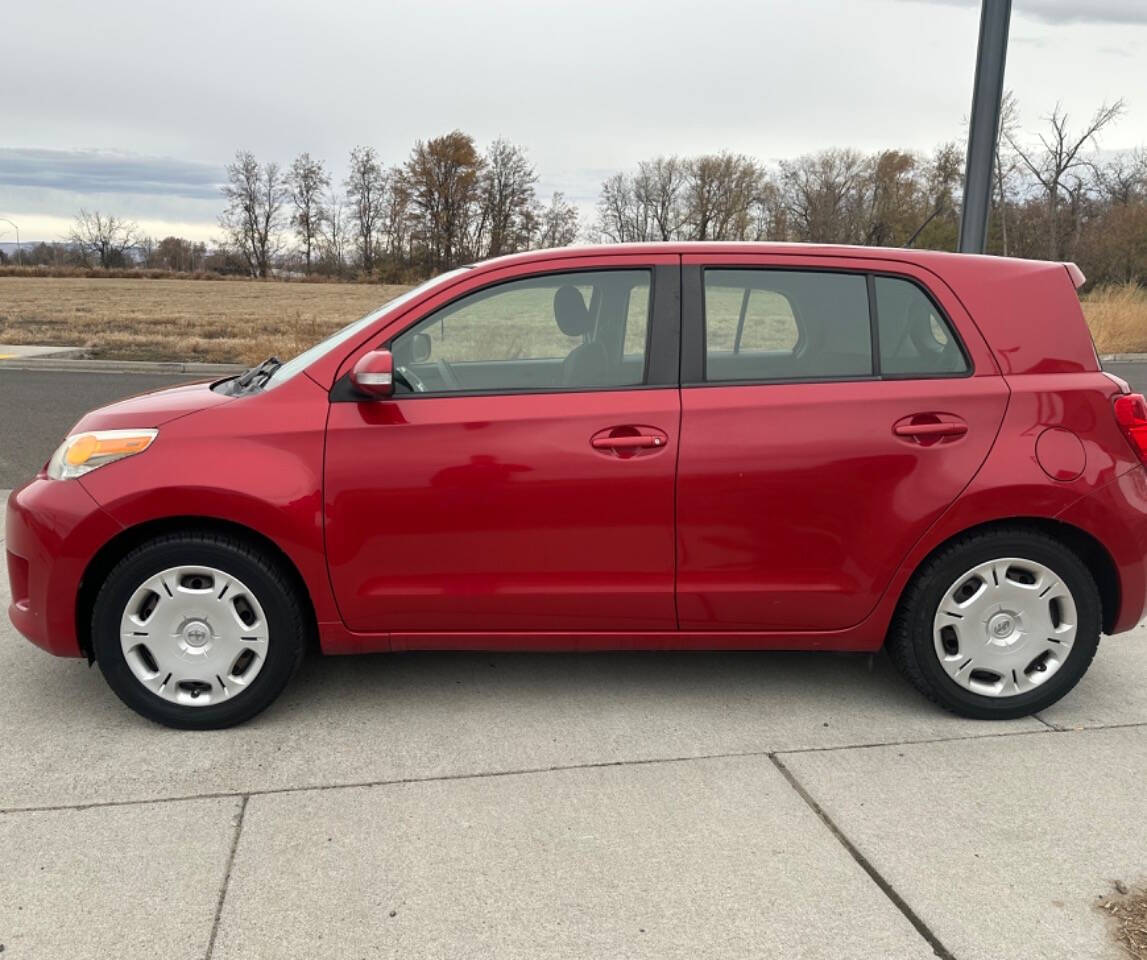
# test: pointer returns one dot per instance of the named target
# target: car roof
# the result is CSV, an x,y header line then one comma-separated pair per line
x,y
938,261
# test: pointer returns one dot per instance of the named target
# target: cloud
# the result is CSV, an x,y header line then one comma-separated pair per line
x,y
1068,11
106,172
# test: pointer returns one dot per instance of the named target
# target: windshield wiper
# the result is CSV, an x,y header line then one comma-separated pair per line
x,y
266,370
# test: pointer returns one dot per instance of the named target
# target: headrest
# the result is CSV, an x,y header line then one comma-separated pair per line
x,y
570,311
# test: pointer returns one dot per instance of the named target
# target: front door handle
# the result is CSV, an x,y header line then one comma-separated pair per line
x,y
626,443
630,440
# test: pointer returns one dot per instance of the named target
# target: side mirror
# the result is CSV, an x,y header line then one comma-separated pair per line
x,y
374,374
420,348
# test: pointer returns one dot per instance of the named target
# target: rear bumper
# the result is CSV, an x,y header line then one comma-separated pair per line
x,y
1116,515
53,529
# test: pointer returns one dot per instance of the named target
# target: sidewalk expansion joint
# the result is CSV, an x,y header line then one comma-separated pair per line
x,y
226,879
865,864
533,771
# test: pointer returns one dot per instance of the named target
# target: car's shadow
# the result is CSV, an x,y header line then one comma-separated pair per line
x,y
710,679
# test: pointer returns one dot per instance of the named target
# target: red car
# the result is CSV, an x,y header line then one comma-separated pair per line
x,y
700,446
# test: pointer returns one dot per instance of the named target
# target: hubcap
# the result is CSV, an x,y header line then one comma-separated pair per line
x,y
194,635
1005,627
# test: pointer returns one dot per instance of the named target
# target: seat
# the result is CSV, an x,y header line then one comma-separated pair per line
x,y
587,364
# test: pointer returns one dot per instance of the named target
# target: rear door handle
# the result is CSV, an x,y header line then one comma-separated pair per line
x,y
929,428
626,443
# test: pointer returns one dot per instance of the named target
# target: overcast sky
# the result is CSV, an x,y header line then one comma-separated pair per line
x,y
134,108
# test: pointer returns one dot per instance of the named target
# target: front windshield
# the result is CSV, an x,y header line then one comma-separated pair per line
x,y
307,357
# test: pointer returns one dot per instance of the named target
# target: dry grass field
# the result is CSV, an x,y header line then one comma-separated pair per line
x,y
1118,318
241,321
244,321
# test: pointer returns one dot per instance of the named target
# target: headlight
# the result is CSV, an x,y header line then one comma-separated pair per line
x,y
83,452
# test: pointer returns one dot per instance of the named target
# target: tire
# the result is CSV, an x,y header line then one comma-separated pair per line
x,y
1030,656
181,655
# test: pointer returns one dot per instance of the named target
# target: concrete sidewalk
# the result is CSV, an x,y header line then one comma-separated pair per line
x,y
17,352
596,806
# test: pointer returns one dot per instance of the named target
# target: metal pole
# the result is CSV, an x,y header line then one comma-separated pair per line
x,y
987,94
19,251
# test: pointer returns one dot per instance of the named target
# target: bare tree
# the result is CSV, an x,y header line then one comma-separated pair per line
x,y
507,200
145,248
1122,180
1115,237
1057,164
622,213
307,179
657,189
256,194
821,192
714,197
557,223
366,193
103,236
1006,165
396,218
334,232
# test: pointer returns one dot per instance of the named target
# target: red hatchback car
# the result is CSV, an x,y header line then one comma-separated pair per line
x,y
701,446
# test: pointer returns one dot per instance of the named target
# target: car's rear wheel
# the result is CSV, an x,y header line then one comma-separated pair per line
x,y
998,625
198,631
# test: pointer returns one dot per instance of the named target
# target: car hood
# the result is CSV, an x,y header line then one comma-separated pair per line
x,y
152,409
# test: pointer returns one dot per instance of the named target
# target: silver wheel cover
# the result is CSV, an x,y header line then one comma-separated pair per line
x,y
1005,627
194,635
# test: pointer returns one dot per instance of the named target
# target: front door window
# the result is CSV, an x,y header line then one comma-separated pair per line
x,y
567,331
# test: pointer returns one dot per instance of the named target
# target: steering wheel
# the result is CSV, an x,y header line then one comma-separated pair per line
x,y
411,378
447,374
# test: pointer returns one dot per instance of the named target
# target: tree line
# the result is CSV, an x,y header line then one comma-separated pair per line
x,y
447,204
1056,196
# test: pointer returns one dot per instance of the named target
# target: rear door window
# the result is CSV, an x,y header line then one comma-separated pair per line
x,y
763,325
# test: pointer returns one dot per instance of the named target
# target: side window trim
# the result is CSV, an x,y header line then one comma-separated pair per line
x,y
693,326
693,340
662,346
873,322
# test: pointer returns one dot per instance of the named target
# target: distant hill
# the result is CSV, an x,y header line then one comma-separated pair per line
x,y
9,247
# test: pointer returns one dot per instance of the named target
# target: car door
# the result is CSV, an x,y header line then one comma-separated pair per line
x,y
521,478
832,408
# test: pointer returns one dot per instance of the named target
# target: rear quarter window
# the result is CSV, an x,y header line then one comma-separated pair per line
x,y
915,338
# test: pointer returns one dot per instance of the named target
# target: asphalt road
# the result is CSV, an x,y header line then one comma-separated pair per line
x,y
37,408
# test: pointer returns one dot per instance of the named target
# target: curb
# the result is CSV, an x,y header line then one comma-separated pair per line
x,y
1124,358
57,365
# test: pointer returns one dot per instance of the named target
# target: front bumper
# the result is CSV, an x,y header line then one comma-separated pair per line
x,y
53,529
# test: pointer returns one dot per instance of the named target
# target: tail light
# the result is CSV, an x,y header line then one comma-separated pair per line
x,y
1131,412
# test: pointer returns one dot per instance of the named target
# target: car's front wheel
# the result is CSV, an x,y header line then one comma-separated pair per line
x,y
198,630
998,624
